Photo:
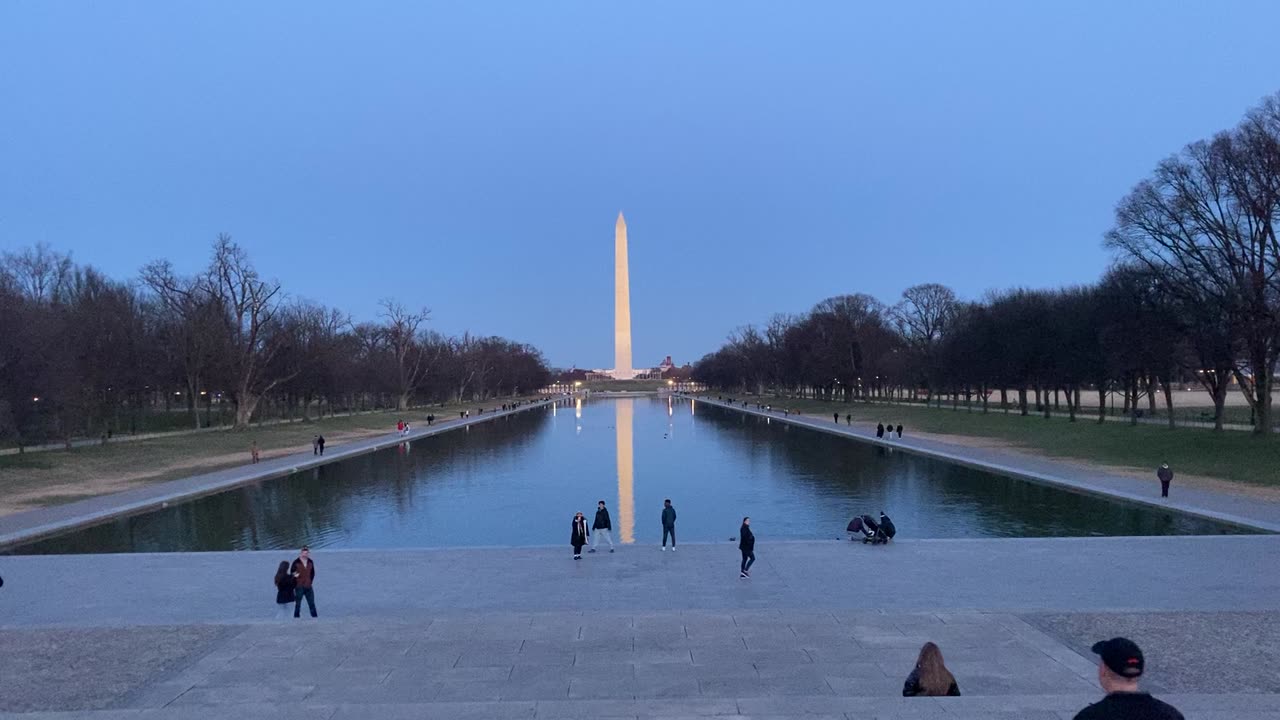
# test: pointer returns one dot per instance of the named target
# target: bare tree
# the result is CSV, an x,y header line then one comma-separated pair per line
x,y
189,322
401,333
922,317
39,273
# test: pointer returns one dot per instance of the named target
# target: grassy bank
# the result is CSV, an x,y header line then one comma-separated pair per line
x,y
1233,456
49,478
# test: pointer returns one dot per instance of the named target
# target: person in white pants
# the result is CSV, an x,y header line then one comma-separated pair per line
x,y
601,528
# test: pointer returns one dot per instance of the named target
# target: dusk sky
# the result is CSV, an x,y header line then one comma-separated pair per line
x,y
471,157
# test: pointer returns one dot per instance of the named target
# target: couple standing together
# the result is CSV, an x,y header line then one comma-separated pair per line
x,y
294,583
579,536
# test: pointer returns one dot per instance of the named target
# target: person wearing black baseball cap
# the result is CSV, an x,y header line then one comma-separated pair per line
x,y
1119,667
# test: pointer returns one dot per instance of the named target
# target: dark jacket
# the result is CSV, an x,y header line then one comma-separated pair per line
x,y
911,688
305,575
1165,474
746,540
668,517
578,537
602,520
285,585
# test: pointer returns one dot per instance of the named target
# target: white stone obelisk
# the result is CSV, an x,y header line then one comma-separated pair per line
x,y
622,369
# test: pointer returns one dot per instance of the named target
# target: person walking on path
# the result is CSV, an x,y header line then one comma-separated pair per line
x,y
315,445
601,528
578,537
879,430
253,452
848,418
930,677
668,525
320,442
1166,476
1119,667
304,572
837,415
747,544
899,431
285,587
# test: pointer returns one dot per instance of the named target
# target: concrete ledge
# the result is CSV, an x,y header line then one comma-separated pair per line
x,y
24,527
1234,510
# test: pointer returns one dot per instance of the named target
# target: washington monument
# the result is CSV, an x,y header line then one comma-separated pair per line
x,y
622,369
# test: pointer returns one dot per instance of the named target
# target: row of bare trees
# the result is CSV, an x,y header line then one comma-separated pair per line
x,y
1194,297
82,354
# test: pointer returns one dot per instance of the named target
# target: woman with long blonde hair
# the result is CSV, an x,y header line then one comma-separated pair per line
x,y
930,677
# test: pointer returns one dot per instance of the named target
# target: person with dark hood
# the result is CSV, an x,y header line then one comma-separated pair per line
x,y
746,544
837,416
899,431
887,526
601,528
668,524
880,430
320,443
578,537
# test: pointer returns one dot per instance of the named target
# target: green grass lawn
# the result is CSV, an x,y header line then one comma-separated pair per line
x,y
1234,456
48,478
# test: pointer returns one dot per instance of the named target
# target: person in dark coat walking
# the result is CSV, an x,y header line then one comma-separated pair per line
x,y
601,528
1166,476
837,416
747,544
285,585
668,525
303,571
880,430
899,431
578,537
320,443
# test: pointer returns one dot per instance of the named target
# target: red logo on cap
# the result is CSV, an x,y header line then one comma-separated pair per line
x,y
1132,661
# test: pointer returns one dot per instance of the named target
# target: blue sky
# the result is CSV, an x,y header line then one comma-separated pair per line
x,y
471,157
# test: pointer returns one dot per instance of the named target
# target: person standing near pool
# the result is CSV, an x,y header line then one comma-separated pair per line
x,y
747,544
578,536
668,525
1165,475
601,528
304,572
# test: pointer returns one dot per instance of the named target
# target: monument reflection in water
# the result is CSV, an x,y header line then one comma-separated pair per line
x,y
517,480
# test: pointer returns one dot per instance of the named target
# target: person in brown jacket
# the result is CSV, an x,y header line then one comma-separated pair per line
x,y
304,572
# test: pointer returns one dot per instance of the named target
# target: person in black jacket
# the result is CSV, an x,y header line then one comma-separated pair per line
x,y
602,527
930,677
668,524
578,536
747,544
880,430
285,585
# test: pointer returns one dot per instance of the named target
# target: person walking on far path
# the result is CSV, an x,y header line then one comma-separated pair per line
x,y
747,544
1120,665
601,528
837,415
315,445
1166,476
320,442
253,452
899,431
578,536
668,525
880,430
848,418
303,571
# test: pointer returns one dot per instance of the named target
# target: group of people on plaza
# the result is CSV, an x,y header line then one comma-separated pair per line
x,y
601,531
881,428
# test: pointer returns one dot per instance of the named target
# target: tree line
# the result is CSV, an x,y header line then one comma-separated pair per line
x,y
82,354
1192,297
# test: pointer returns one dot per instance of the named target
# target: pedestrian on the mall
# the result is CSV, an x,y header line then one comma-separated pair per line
x,y
899,431
253,452
668,525
837,415
303,571
315,445
601,528
747,544
578,537
930,677
1166,476
285,587
1119,667
320,442
879,430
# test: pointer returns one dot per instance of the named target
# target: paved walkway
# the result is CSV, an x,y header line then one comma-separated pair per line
x,y
822,630
1226,507
32,524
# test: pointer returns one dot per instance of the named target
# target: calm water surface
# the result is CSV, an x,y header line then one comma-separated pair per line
x,y
518,481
